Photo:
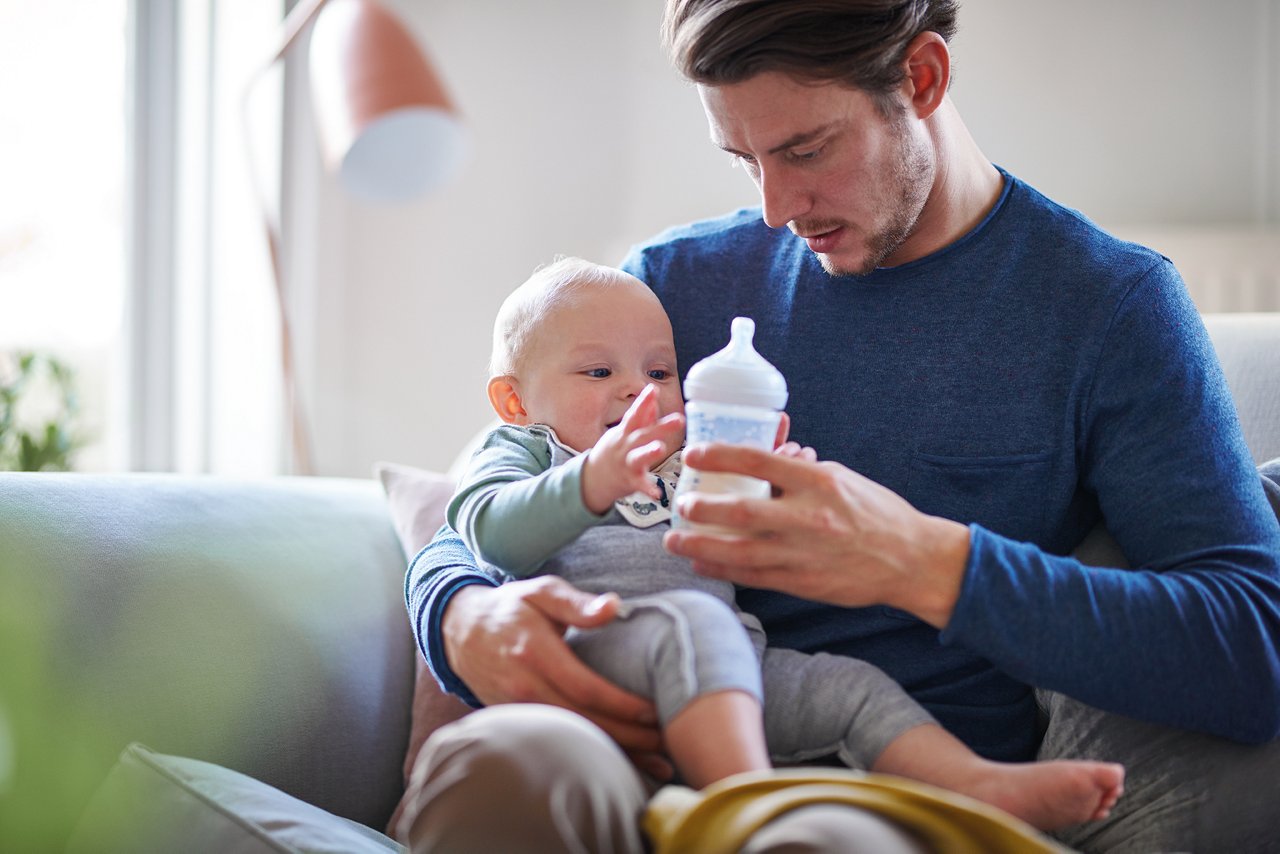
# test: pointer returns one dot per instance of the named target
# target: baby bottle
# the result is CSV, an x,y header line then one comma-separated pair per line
x,y
733,396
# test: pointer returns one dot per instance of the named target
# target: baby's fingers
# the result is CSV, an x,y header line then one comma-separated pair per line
x,y
643,410
660,430
639,461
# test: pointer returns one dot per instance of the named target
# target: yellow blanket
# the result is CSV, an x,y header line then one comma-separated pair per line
x,y
720,818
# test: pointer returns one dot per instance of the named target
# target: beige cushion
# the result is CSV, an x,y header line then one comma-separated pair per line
x,y
417,499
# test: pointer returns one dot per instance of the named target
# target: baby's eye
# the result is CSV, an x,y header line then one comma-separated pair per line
x,y
598,373
659,374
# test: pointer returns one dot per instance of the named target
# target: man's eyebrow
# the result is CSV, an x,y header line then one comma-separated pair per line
x,y
798,139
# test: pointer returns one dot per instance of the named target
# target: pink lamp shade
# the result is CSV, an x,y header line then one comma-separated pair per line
x,y
385,122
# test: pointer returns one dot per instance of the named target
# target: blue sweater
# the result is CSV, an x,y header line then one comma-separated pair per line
x,y
1031,379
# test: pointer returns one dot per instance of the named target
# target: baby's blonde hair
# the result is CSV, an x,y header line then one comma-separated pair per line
x,y
550,287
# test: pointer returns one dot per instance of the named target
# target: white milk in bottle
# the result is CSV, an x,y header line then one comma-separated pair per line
x,y
733,396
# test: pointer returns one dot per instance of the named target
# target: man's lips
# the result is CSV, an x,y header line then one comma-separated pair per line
x,y
824,241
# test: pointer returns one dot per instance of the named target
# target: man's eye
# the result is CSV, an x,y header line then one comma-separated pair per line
x,y
598,373
746,161
659,374
804,156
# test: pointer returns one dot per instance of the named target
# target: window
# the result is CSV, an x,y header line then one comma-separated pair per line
x,y
131,244
62,210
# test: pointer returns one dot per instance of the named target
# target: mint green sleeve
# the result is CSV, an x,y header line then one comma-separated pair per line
x,y
512,508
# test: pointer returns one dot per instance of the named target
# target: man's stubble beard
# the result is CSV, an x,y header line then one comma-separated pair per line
x,y
913,174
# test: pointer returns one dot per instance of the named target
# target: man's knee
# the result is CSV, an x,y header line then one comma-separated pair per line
x,y
522,777
829,828
1183,790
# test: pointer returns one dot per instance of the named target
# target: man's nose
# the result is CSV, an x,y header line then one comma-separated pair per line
x,y
782,198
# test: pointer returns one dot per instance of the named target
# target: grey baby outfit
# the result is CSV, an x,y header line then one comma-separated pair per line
x,y
679,635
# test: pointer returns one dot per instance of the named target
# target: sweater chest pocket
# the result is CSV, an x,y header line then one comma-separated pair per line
x,y
1005,493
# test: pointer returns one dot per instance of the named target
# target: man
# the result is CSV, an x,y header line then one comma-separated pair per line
x,y
989,376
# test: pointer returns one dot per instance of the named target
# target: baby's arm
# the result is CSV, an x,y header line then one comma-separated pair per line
x,y
512,509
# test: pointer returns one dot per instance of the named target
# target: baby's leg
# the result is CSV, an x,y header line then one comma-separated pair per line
x,y
820,704
690,654
816,705
718,735
1047,795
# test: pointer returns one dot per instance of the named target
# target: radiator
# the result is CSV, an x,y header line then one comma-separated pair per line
x,y
1226,270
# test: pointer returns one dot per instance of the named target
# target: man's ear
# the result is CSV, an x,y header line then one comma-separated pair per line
x,y
504,397
928,67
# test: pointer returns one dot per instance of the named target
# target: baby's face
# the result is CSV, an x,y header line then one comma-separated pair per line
x,y
591,357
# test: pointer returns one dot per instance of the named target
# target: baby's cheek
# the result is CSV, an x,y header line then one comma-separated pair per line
x,y
676,442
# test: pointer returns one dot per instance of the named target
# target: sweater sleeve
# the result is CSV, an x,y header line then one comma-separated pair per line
x,y
441,569
1188,636
513,509
512,506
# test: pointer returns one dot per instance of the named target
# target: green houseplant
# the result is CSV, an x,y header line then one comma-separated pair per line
x,y
39,412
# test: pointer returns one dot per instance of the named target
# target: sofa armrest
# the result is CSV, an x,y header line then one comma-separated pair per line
x,y
1248,346
258,625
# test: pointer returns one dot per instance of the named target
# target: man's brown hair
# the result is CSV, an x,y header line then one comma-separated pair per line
x,y
860,43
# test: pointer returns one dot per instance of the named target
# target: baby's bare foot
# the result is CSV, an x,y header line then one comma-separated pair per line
x,y
1051,795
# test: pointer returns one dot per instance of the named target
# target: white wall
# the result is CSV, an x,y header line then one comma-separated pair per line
x,y
1139,112
1135,111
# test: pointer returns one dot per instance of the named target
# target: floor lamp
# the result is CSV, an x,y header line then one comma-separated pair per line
x,y
386,126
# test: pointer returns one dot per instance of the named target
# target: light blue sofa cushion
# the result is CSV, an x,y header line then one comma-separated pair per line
x,y
256,624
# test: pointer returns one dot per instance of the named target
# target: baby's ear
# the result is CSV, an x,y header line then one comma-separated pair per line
x,y
504,396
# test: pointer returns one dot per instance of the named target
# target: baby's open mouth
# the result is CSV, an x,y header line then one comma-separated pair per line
x,y
614,423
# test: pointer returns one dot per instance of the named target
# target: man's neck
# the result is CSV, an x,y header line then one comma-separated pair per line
x,y
965,188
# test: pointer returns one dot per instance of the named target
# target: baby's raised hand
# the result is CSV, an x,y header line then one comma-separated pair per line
x,y
618,464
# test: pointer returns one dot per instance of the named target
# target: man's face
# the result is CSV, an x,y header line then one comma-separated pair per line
x,y
828,164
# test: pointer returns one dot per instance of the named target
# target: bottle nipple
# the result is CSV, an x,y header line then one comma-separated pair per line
x,y
737,374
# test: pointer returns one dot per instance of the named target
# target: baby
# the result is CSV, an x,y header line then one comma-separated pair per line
x,y
577,482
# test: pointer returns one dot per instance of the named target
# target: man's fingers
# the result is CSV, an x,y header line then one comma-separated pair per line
x,y
757,517
722,552
568,606
797,452
655,765
746,561
781,471
629,718
784,429
629,736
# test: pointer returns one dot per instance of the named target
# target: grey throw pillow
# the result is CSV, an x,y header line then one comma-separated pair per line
x,y
1270,472
154,802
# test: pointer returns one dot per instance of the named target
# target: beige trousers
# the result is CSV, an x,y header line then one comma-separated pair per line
x,y
530,778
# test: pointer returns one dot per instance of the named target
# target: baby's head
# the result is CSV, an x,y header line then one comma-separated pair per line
x,y
574,345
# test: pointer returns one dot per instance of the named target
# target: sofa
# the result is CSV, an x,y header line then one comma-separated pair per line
x,y
200,663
